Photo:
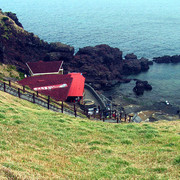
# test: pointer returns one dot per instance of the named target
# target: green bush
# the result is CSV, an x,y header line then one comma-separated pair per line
x,y
5,19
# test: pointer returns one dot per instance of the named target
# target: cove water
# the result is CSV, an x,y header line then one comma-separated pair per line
x,y
147,28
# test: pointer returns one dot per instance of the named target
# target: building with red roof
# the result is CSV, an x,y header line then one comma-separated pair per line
x,y
44,68
77,85
57,86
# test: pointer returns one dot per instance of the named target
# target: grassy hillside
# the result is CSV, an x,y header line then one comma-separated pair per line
x,y
39,144
10,71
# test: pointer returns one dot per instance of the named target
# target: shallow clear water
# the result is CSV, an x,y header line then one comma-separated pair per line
x,y
165,80
148,28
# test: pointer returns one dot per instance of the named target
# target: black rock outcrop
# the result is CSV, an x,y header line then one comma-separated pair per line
x,y
167,59
142,86
134,66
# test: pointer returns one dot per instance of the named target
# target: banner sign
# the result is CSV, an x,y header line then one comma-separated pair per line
x,y
43,88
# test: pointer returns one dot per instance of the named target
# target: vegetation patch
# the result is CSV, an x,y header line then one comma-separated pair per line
x,y
2,116
5,19
177,161
12,166
40,144
132,171
159,170
126,141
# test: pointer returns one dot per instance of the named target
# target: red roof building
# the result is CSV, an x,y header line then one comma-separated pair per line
x,y
43,68
77,85
58,87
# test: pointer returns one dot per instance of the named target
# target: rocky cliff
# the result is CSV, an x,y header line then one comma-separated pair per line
x,y
102,65
18,46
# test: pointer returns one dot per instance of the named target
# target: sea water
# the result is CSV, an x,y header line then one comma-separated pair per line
x,y
148,28
165,81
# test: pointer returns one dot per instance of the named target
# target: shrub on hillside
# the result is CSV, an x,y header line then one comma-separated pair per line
x,y
5,19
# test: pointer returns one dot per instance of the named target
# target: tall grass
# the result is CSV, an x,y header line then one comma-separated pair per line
x,y
39,144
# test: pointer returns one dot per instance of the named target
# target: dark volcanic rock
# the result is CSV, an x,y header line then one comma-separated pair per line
x,y
167,59
134,66
14,18
175,59
144,64
141,86
130,56
59,51
1,52
131,66
17,46
101,65
150,62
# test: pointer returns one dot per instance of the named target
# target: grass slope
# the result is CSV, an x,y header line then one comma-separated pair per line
x,y
39,144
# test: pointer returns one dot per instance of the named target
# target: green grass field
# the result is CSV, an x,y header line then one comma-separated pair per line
x,y
39,144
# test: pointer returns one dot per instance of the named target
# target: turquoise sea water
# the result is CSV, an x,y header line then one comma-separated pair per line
x,y
165,80
148,28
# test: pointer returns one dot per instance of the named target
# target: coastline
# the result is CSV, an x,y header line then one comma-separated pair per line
x,y
103,66
147,113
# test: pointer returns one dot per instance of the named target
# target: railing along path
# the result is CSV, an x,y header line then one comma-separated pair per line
x,y
25,93
35,97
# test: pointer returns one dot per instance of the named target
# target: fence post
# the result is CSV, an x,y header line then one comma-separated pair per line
x,y
19,94
87,112
37,94
33,98
23,89
9,83
75,113
4,87
103,119
62,107
48,102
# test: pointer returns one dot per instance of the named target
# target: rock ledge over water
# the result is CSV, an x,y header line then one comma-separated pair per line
x,y
167,59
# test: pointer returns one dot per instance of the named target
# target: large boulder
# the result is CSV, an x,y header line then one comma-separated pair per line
x,y
142,86
135,66
144,64
130,56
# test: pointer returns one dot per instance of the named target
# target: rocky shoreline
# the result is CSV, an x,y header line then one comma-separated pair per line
x,y
147,113
103,66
